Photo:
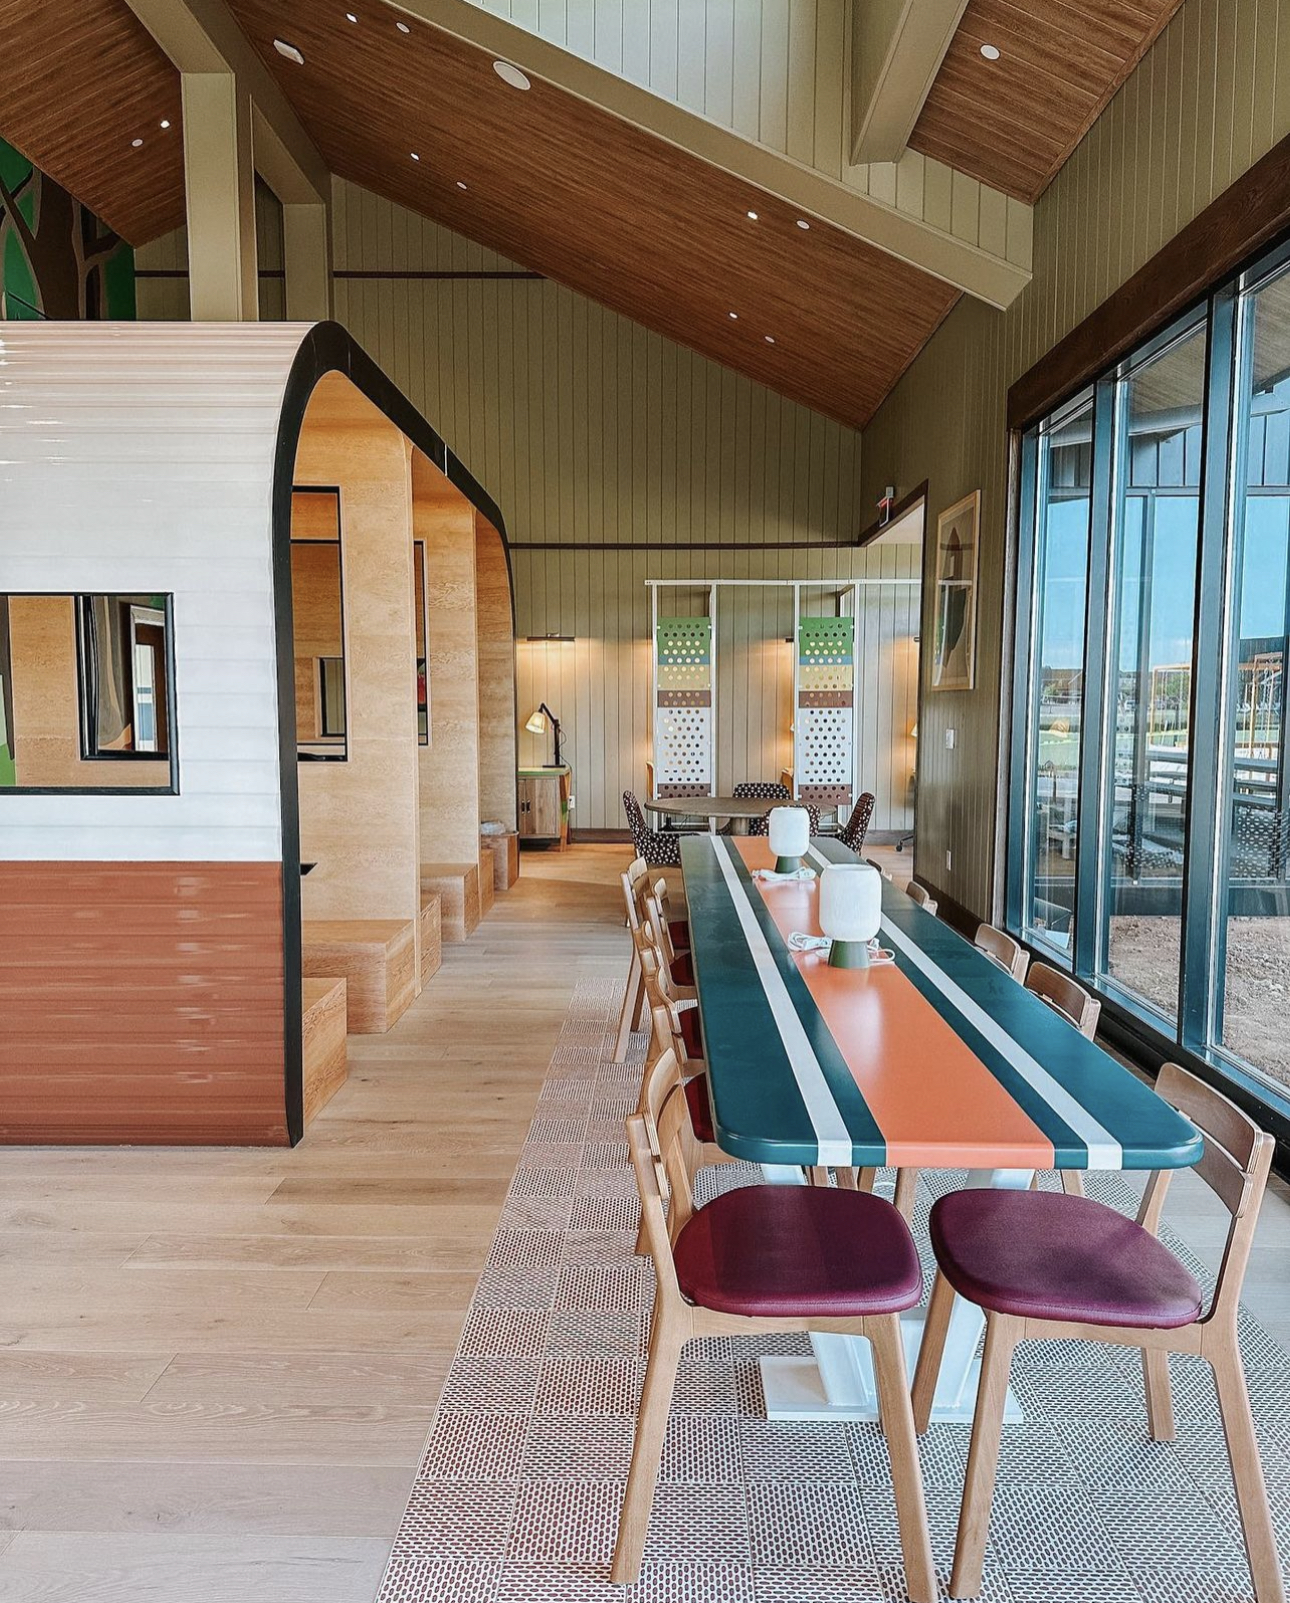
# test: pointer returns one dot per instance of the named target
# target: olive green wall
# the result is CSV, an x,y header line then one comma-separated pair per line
x,y
1210,97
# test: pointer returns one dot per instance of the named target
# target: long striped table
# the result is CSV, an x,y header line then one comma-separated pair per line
x,y
937,1061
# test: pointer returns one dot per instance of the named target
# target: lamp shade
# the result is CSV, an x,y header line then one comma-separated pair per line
x,y
790,831
850,901
537,724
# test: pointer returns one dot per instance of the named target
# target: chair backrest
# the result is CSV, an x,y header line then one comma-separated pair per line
x,y
1234,1164
874,863
659,984
652,1182
665,1114
658,850
1010,955
632,877
761,826
758,790
657,921
855,829
917,894
1065,996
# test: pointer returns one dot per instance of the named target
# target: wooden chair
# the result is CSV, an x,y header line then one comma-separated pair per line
x,y
636,872
918,894
761,1259
1037,1263
679,964
874,863
1010,955
1065,996
758,790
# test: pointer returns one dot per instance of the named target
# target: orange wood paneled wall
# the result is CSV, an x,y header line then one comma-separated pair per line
x,y
141,1002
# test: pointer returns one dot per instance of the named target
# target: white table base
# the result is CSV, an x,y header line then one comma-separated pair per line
x,y
837,1382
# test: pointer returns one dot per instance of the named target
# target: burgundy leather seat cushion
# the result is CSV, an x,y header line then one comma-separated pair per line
x,y
683,969
691,1033
696,1095
679,930
796,1251
1044,1255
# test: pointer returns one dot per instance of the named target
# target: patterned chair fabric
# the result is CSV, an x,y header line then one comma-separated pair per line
x,y
659,848
757,790
855,829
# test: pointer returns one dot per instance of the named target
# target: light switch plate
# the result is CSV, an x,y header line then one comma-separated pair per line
x,y
949,740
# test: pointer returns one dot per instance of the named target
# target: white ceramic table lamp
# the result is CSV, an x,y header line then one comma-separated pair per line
x,y
790,836
850,911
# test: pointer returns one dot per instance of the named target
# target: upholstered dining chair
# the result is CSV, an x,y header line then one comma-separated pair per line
x,y
768,1258
660,848
679,964
1002,950
855,829
632,877
1047,1267
757,790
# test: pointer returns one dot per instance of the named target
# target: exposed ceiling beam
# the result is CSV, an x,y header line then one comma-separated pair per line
x,y
897,47
200,36
967,267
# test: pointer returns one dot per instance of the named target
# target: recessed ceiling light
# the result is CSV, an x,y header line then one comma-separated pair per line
x,y
511,75
403,27
735,315
990,52
289,51
769,338
165,122
802,223
135,143
752,217
350,17
460,185
414,156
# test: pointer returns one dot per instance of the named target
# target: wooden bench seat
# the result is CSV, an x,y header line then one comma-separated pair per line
x,y
326,1058
375,956
487,889
457,885
431,934
505,852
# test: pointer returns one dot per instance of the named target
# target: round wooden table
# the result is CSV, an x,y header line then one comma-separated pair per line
x,y
740,810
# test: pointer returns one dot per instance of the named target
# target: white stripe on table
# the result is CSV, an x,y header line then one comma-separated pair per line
x,y
1104,1151
831,1133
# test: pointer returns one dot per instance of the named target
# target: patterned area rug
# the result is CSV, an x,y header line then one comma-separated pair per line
x,y
517,1497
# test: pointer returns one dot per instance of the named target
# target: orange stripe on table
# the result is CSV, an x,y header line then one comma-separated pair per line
x,y
936,1103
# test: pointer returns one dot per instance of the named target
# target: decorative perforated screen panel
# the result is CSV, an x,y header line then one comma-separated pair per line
x,y
683,707
824,755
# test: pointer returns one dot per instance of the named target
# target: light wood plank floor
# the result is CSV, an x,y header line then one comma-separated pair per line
x,y
217,1368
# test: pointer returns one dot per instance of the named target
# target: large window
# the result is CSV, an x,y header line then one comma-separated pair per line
x,y
1149,841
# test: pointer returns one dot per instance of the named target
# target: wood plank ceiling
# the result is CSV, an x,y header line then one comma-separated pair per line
x,y
82,81
581,196
1013,122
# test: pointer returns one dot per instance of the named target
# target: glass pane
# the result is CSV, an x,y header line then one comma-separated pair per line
x,y
1154,542
84,692
1251,1009
317,603
1064,470
1154,598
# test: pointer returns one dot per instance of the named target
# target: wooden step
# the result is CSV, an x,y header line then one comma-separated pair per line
x,y
457,885
505,852
431,933
375,956
326,1057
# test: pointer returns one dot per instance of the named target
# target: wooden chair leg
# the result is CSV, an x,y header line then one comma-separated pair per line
x,y
928,1369
1247,1477
983,1457
902,1449
817,1175
640,1013
630,1007
665,1346
906,1191
1073,1182
1160,1403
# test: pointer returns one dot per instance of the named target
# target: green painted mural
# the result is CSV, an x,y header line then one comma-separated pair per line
x,y
56,259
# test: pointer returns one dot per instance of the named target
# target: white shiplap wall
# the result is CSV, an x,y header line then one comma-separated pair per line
x,y
775,72
1209,98
139,457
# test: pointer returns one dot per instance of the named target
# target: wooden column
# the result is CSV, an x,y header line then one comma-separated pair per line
x,y
495,631
306,246
219,176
